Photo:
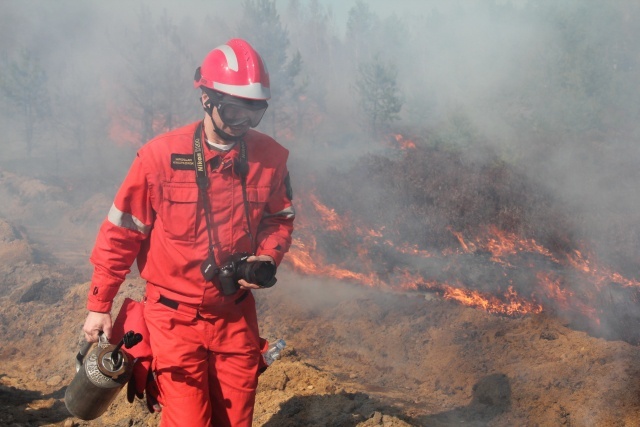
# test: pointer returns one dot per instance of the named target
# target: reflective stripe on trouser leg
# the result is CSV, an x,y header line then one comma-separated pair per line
x,y
206,368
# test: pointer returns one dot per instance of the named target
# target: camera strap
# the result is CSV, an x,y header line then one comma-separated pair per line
x,y
203,184
241,168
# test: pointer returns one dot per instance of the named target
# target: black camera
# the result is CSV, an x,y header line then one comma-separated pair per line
x,y
261,273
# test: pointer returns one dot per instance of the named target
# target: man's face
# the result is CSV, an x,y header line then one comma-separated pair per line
x,y
236,115
235,130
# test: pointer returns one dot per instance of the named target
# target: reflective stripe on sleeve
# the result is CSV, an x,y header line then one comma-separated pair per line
x,y
126,220
288,213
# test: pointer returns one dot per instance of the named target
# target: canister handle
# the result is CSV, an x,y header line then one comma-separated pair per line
x,y
85,349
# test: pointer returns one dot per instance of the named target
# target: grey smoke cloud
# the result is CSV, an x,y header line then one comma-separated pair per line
x,y
479,61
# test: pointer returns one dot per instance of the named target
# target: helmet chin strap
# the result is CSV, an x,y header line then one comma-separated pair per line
x,y
222,134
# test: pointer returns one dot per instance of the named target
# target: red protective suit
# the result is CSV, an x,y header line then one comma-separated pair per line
x,y
206,346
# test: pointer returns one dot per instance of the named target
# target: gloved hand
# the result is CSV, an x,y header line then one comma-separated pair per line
x,y
143,383
153,394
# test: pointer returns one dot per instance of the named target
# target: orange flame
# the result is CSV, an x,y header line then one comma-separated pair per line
x,y
328,216
502,247
405,144
514,305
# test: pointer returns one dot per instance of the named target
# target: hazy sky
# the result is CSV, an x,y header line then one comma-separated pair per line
x,y
382,7
385,8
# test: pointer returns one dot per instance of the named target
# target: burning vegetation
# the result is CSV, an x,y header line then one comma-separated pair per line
x,y
427,218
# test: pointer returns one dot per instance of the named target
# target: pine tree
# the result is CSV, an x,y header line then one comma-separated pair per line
x,y
380,100
23,85
262,28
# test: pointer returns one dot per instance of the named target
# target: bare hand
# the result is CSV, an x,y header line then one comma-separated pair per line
x,y
96,323
246,285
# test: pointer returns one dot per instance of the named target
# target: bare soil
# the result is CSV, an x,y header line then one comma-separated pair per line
x,y
355,356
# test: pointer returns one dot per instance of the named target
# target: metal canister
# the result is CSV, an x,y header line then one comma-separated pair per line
x,y
100,375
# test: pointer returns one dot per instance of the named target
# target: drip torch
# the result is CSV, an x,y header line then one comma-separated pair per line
x,y
100,375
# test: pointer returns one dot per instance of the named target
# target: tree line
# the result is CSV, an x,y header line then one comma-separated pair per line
x,y
539,68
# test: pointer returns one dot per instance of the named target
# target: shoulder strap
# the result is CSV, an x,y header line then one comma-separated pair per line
x,y
203,182
241,168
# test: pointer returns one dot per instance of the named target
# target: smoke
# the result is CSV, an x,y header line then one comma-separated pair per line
x,y
549,88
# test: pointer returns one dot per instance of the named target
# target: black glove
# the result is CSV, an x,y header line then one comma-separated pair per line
x,y
143,383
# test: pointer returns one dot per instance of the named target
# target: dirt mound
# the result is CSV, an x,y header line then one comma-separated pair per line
x,y
38,364
21,278
30,199
41,315
357,357
15,251
61,230
443,364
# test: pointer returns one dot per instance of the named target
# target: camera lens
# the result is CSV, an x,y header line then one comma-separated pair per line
x,y
262,273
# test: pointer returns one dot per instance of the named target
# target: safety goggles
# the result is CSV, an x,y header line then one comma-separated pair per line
x,y
235,112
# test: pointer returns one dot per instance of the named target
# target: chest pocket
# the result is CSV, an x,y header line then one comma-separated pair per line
x,y
257,198
179,211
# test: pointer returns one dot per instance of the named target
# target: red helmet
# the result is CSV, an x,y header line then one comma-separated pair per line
x,y
234,69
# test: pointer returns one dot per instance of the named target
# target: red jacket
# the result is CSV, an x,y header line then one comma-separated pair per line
x,y
158,217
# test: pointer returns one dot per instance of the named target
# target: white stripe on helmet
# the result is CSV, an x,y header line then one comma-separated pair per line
x,y
230,56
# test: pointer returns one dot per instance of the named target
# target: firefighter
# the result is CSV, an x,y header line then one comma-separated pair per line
x,y
194,201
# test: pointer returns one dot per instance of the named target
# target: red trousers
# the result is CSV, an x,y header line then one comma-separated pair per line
x,y
206,362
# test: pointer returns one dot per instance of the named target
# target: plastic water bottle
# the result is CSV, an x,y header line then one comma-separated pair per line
x,y
273,353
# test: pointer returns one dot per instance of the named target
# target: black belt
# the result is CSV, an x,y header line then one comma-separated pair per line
x,y
168,302
175,304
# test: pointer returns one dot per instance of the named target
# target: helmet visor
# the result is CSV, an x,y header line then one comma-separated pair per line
x,y
235,112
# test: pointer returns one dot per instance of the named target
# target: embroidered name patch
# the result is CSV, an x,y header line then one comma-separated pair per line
x,y
181,161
